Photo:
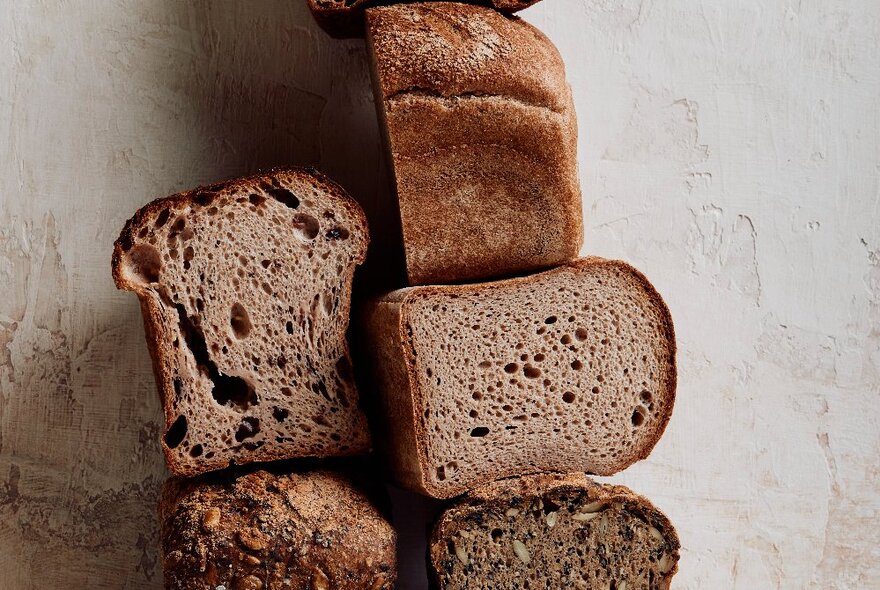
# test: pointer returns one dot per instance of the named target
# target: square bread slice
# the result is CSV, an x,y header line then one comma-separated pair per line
x,y
571,369
245,288
481,132
262,530
553,531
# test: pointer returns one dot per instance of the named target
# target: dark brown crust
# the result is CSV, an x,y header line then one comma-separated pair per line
x,y
151,308
404,442
538,486
343,20
261,530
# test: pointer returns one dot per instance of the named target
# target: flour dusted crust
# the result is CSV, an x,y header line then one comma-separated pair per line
x,y
480,125
553,530
344,18
571,369
245,289
261,530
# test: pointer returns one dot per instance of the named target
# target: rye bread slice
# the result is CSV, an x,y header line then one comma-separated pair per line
x,y
553,531
344,18
479,123
245,289
264,530
571,369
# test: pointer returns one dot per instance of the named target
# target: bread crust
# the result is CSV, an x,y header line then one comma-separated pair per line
x,y
502,492
345,19
265,530
157,317
480,126
407,443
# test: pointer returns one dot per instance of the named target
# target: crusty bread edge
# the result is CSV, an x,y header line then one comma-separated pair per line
x,y
154,324
417,480
537,485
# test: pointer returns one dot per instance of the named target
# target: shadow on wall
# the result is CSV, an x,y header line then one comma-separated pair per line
x,y
263,86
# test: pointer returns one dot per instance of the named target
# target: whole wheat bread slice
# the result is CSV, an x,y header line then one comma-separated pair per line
x,y
245,289
262,530
553,531
344,18
480,127
571,369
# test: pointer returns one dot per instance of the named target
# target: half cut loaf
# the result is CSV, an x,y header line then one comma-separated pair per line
x,y
571,369
263,530
553,531
480,126
245,289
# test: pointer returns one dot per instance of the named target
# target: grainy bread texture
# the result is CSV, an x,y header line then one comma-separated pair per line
x,y
245,289
344,18
553,531
480,125
312,530
571,369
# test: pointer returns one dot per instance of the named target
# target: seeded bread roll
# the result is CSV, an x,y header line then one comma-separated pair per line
x,y
310,530
344,18
572,369
553,531
480,125
245,289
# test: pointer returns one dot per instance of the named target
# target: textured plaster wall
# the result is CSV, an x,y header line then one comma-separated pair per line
x,y
728,149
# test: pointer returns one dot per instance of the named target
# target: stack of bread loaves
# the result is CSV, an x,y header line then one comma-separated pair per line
x,y
504,372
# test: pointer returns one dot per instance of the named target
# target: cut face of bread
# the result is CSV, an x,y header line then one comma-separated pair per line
x,y
245,289
480,125
553,531
261,530
572,369
344,18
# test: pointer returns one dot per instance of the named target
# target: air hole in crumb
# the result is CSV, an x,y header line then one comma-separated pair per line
x,y
568,397
479,431
485,365
550,320
196,451
496,534
145,262
581,334
337,233
577,365
188,254
234,392
285,197
441,473
256,199
175,435
638,417
511,368
289,327
531,372
305,227
280,414
249,428
240,321
646,396
162,219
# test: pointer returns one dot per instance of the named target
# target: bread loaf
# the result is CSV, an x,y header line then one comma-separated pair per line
x,y
553,531
482,138
259,530
245,290
571,369
344,18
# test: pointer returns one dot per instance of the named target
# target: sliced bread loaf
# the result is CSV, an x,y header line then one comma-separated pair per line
x,y
260,530
245,289
553,531
571,369
344,18
480,125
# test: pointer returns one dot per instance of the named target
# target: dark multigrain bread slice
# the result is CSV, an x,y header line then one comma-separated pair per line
x,y
310,530
553,531
480,125
245,290
572,369
344,18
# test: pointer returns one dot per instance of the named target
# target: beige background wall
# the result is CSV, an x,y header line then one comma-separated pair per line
x,y
728,149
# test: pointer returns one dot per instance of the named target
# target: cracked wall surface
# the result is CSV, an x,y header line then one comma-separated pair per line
x,y
727,149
